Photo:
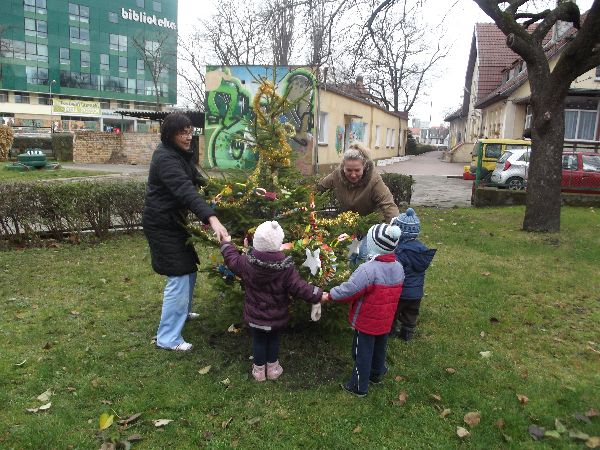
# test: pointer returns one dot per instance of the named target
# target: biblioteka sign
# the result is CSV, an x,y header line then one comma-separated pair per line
x,y
144,18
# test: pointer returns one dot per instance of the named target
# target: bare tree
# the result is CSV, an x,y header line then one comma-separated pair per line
x,y
395,53
279,18
192,69
549,89
153,50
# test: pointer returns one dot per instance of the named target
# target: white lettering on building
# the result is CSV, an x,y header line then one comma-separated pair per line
x,y
150,20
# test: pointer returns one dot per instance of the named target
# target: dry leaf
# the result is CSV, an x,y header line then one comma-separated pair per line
x,y
482,334
523,399
486,354
130,419
592,412
71,389
399,378
486,274
553,434
462,432
436,397
559,426
358,429
21,363
446,412
74,313
204,370
500,423
450,370
108,446
593,442
536,432
135,438
578,435
233,329
226,423
105,421
95,382
106,402
472,418
161,422
226,382
45,396
41,408
253,421
401,400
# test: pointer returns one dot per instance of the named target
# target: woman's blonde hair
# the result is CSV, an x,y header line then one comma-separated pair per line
x,y
356,151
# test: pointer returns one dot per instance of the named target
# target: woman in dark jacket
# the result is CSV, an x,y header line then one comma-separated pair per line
x,y
172,191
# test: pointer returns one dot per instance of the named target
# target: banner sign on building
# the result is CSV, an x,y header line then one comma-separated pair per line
x,y
76,107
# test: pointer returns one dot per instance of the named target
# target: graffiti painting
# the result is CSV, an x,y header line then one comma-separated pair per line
x,y
339,139
230,92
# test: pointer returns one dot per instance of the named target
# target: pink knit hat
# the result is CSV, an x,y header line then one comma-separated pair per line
x,y
268,237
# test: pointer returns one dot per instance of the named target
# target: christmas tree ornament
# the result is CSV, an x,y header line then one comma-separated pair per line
x,y
315,312
313,262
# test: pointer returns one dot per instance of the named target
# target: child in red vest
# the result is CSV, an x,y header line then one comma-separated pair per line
x,y
374,289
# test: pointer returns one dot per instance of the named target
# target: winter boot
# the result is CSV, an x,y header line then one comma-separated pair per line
x,y
258,372
274,370
406,333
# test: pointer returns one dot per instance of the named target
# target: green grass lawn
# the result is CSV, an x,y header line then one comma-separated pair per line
x,y
30,175
78,320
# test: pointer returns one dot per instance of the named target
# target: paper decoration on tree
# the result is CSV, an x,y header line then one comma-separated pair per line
x,y
313,262
353,247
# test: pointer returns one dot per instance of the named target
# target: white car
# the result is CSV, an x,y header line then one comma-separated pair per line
x,y
511,169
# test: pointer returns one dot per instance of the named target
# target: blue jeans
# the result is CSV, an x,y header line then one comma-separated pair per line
x,y
368,352
265,346
177,304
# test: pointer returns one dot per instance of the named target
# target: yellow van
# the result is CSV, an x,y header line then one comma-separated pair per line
x,y
490,150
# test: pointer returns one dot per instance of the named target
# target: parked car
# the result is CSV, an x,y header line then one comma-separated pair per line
x,y
511,169
492,149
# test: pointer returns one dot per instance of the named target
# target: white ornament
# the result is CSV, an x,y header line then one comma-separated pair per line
x,y
354,246
313,262
315,312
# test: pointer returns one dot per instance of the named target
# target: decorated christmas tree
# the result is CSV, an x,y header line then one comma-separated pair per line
x,y
318,237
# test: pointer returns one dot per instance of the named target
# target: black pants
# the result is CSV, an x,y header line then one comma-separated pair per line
x,y
368,352
265,346
407,313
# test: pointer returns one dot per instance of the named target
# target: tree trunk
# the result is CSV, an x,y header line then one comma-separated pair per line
x,y
542,212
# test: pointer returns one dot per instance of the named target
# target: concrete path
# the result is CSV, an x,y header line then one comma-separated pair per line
x,y
437,183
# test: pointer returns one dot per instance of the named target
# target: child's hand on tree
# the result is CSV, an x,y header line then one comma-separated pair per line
x,y
325,297
226,239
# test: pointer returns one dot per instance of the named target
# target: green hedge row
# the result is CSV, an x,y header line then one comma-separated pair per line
x,y
400,186
56,145
29,211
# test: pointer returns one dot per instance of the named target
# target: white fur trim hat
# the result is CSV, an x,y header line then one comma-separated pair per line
x,y
268,237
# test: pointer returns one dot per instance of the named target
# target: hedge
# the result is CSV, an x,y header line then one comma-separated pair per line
x,y
30,211
400,186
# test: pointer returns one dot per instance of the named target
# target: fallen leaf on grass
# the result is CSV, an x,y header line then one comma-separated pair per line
x,y
226,423
41,408
358,429
553,434
108,446
253,421
161,422
105,421
486,274
71,389
47,346
582,418
450,370
593,442
462,432
592,412
472,418
95,382
485,354
436,397
226,382
401,400
578,435
21,363
106,402
135,438
536,432
500,423
44,397
233,329
445,413
204,370
130,419
482,334
559,426
399,378
523,399
75,313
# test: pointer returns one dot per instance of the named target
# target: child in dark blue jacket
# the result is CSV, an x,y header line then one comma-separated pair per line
x,y
415,258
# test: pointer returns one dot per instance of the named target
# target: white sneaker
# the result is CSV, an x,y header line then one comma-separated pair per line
x,y
193,316
183,347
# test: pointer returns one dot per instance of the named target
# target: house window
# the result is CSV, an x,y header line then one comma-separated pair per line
x,y
79,35
140,3
122,104
157,6
3,96
393,138
140,68
43,99
65,55
377,136
21,97
365,133
122,64
85,59
131,85
322,138
388,137
113,17
580,124
104,61
36,75
104,104
35,6
36,27
79,13
118,42
36,52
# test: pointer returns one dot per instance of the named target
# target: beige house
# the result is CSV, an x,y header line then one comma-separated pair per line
x,y
348,113
497,95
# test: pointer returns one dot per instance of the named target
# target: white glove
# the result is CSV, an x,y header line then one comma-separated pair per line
x,y
315,313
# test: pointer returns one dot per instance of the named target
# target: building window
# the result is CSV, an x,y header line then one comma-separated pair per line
x,y
113,17
43,99
85,59
580,124
393,138
104,61
3,96
152,47
157,6
141,68
36,27
122,64
131,85
21,97
528,116
65,55
104,104
388,137
36,52
79,13
36,75
79,35
322,128
118,42
35,6
365,139
140,3
121,104
377,136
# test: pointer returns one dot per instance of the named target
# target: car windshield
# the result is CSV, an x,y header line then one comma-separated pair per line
x,y
504,157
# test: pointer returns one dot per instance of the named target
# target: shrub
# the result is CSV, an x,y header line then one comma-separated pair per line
x,y
400,186
6,141
29,211
62,146
22,143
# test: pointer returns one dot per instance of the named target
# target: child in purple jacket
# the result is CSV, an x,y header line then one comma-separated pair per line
x,y
270,278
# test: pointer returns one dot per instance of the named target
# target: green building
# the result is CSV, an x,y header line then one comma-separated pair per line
x,y
70,64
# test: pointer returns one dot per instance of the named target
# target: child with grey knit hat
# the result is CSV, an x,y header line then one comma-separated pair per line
x,y
415,258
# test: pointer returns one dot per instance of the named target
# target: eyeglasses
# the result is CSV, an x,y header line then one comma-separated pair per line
x,y
185,133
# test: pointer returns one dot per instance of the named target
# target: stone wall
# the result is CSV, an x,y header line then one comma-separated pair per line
x,y
93,147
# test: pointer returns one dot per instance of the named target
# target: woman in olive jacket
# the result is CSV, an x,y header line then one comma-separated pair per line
x,y
172,191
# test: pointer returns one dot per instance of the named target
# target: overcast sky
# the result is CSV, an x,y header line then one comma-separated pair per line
x,y
445,92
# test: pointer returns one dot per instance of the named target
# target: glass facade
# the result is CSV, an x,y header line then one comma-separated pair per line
x,y
91,48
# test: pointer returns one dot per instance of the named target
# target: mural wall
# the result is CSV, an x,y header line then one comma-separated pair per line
x,y
230,91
